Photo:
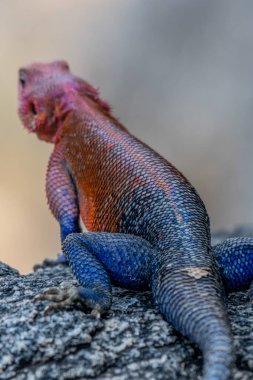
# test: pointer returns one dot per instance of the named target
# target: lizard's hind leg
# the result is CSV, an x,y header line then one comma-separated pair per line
x,y
96,258
234,259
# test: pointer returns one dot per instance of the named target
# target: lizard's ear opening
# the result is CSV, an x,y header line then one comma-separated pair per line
x,y
33,108
62,65
22,74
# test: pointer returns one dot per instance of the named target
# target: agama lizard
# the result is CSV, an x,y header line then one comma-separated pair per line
x,y
147,226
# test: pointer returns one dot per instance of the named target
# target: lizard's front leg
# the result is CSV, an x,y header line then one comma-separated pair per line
x,y
62,199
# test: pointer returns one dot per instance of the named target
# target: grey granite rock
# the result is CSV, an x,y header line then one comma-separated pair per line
x,y
131,342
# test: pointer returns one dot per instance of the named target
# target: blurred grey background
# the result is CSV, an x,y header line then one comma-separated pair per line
x,y
179,76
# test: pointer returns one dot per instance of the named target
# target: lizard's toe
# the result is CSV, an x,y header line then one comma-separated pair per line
x,y
66,295
59,297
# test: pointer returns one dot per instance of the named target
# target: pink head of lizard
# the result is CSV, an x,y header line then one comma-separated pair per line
x,y
43,96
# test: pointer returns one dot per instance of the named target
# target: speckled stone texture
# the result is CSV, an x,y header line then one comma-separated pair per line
x,y
131,342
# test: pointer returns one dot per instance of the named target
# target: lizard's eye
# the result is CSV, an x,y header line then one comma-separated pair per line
x,y
33,108
22,77
22,81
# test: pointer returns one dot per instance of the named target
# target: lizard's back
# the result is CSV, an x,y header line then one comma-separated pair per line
x,y
125,186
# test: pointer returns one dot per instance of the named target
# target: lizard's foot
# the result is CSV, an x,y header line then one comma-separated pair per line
x,y
47,263
68,295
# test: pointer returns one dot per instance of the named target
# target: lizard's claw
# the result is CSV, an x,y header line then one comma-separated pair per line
x,y
63,296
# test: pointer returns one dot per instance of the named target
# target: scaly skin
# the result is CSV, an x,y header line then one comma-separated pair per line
x,y
148,227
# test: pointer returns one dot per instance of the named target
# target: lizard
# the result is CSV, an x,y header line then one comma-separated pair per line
x,y
147,227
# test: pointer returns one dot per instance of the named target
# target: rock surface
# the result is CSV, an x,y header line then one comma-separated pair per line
x,y
131,342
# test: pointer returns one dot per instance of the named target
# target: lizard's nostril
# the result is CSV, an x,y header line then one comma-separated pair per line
x,y
22,77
